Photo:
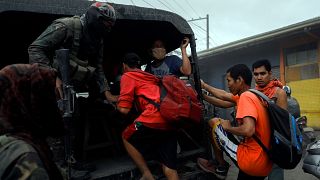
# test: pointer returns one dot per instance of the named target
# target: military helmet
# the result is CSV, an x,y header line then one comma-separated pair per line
x,y
99,19
106,11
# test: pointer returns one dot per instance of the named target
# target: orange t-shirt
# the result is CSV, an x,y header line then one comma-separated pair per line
x,y
250,156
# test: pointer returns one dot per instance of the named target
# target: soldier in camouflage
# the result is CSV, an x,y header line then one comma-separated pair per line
x,y
84,37
28,115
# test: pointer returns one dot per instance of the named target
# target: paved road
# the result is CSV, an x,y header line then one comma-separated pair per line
x,y
294,174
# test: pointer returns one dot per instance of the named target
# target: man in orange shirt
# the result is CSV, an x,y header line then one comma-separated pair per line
x,y
266,84
273,89
252,118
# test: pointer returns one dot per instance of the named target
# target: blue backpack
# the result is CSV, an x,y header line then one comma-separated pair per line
x,y
286,138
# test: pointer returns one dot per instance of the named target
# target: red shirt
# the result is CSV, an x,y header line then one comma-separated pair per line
x,y
133,86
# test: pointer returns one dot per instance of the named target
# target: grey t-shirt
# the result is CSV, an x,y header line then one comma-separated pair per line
x,y
170,65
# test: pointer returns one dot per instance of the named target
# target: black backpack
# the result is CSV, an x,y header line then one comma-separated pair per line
x,y
286,138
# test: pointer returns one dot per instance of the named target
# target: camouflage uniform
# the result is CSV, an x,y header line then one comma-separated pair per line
x,y
19,160
87,75
83,36
87,55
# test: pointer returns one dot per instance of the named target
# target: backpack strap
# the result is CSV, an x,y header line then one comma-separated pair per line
x,y
269,101
157,105
261,144
261,95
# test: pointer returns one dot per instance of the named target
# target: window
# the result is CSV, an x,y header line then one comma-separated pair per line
x,y
306,53
302,62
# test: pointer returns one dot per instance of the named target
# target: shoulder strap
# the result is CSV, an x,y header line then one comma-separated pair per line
x,y
269,101
76,35
261,144
75,29
157,105
263,96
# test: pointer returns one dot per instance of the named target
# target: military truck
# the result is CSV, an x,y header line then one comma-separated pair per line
x,y
23,21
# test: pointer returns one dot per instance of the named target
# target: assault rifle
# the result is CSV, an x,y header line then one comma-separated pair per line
x,y
62,56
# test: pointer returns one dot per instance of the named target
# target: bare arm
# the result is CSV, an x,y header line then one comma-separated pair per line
x,y
282,99
186,66
218,93
247,128
218,102
101,79
123,110
110,97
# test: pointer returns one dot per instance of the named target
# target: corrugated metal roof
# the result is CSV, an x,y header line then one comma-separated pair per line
x,y
303,26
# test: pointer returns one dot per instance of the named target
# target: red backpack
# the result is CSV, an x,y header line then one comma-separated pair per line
x,y
178,100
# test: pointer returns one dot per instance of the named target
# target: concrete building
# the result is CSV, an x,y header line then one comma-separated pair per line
x,y
294,52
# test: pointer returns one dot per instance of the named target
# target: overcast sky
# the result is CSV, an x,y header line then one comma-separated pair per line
x,y
231,20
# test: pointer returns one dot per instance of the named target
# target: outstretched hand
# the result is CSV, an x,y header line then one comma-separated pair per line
x,y
59,88
112,99
184,42
226,124
202,84
214,122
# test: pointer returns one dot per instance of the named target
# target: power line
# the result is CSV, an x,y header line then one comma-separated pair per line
x,y
171,8
149,4
192,8
200,33
212,44
204,38
199,27
165,5
215,40
212,39
132,2
170,5
207,30
181,8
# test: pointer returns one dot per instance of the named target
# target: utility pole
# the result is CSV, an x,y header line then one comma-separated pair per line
x,y
207,31
207,18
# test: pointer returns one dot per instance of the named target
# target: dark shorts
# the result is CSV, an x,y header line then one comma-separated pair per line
x,y
153,144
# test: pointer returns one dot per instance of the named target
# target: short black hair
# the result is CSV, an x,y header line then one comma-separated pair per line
x,y
241,70
262,62
132,60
